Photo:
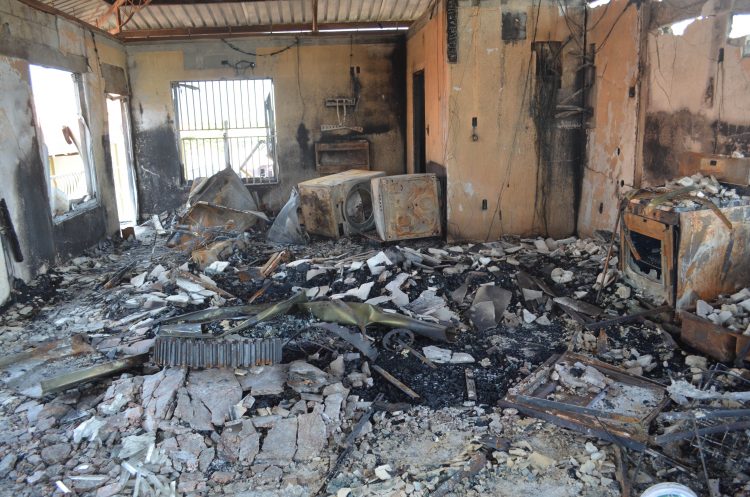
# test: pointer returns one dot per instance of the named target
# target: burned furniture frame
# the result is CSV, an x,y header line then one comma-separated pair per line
x,y
699,255
630,431
660,226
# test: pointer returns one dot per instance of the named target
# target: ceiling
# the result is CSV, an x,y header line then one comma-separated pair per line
x,y
165,19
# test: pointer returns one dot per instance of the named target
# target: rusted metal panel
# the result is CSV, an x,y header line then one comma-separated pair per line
x,y
707,337
712,259
323,201
216,353
406,206
733,170
336,157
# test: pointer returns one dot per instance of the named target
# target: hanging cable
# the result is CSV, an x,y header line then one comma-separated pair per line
x,y
277,52
614,24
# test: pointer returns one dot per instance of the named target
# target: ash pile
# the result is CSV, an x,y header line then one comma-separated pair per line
x,y
198,358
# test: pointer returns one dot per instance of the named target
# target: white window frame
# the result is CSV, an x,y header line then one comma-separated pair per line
x,y
86,143
217,125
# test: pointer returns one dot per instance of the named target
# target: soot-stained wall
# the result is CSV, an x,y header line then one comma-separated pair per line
x,y
699,93
29,36
522,173
303,76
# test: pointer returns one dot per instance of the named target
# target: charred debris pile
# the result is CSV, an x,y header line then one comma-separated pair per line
x,y
198,358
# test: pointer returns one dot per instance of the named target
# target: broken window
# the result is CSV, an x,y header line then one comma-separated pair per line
x,y
226,124
740,26
65,140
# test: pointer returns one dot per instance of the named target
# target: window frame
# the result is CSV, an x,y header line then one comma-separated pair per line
x,y
89,169
270,120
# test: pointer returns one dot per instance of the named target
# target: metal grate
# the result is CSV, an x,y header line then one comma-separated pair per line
x,y
227,123
727,448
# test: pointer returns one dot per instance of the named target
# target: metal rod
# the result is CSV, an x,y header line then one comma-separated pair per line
x,y
388,376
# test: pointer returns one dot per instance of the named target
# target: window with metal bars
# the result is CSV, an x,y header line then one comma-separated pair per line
x,y
227,123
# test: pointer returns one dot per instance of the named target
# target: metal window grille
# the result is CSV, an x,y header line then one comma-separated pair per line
x,y
228,123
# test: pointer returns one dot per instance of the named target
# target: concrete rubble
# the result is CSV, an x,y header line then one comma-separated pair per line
x,y
279,429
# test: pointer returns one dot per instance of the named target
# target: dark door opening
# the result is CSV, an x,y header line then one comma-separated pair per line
x,y
418,104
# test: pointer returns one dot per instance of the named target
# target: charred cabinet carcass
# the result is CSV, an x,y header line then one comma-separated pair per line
x,y
679,254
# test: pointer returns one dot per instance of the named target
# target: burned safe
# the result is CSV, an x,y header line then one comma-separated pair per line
x,y
678,255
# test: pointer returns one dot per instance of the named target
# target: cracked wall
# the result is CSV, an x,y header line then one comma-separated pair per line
x,y
303,77
31,36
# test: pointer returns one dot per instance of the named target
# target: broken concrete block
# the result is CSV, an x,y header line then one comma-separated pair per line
x,y
265,380
695,361
461,358
703,309
336,367
137,281
311,436
56,453
194,413
378,263
333,405
188,286
280,443
180,300
532,294
239,442
623,292
361,292
543,320
383,472
437,355
528,317
540,461
561,276
217,389
217,267
304,377
158,395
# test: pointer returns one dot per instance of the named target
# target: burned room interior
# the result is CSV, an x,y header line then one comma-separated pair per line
x,y
375,248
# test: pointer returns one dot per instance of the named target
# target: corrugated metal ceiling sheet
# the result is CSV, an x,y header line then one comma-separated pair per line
x,y
272,12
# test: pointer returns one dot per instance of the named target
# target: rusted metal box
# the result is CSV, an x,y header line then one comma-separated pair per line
x,y
336,157
339,204
406,206
709,338
681,256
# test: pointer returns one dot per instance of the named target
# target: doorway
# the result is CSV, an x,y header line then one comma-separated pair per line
x,y
418,106
122,161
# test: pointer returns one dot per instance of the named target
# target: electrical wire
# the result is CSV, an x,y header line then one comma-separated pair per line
x,y
612,28
277,52
527,81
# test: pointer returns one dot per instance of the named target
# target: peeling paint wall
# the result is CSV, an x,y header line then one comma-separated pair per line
x,y
699,98
612,145
30,36
303,77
